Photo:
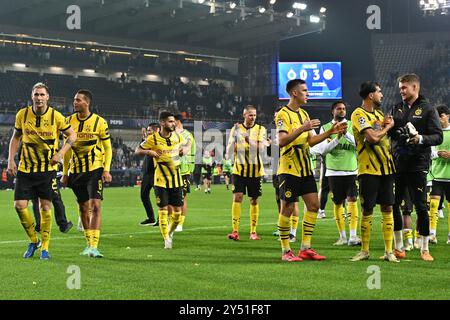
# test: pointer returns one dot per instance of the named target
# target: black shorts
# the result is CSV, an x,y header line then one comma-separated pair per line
x,y
207,176
246,184
87,185
292,187
186,184
35,185
276,185
227,174
375,190
343,187
169,196
441,188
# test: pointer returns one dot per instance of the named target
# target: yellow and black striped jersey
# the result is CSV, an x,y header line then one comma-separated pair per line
x,y
294,157
92,149
40,138
374,159
247,159
167,173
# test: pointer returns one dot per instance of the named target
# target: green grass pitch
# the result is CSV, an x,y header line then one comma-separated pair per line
x,y
204,264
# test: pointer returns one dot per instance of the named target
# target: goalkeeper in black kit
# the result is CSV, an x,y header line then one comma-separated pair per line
x,y
416,129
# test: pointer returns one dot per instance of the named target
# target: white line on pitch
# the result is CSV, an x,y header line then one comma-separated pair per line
x,y
108,235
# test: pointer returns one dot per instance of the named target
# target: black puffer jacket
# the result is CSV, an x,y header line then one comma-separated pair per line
x,y
424,117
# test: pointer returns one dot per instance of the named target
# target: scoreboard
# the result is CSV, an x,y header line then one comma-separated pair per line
x,y
324,79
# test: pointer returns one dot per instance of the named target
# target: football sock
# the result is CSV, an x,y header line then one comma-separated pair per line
x,y
338,212
27,223
163,224
284,228
236,215
176,218
88,236
366,229
387,226
46,227
294,225
433,214
182,218
398,239
309,222
95,238
408,235
254,214
353,213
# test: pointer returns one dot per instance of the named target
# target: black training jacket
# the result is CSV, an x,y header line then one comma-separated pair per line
x,y
424,117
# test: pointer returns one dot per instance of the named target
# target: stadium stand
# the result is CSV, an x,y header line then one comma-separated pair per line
x,y
426,55
129,99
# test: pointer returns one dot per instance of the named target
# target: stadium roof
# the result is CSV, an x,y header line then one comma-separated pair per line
x,y
210,28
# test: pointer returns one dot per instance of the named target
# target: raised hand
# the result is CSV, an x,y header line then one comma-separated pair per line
x,y
310,124
339,128
388,122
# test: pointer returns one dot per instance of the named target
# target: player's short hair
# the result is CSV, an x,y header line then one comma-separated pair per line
x,y
87,94
335,104
40,85
367,88
179,117
442,109
291,84
165,114
153,124
409,78
249,107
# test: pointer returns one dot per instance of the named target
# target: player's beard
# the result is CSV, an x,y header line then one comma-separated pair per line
x,y
377,104
77,109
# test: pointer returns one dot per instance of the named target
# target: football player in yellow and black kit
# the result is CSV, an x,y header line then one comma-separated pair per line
x,y
88,164
375,168
38,127
295,134
166,147
247,139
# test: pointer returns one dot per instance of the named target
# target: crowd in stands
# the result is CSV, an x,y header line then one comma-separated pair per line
x,y
432,64
435,74
4,146
123,155
125,97
205,102
103,58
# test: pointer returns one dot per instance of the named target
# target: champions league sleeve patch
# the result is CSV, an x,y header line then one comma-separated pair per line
x,y
280,123
362,122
